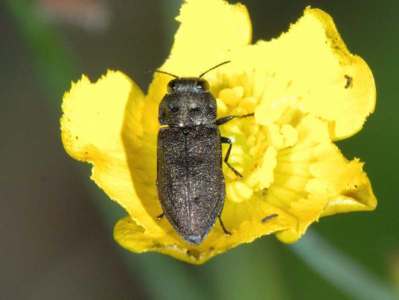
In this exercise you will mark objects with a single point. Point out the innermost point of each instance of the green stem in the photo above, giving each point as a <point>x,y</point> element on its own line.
<point>340,270</point>
<point>247,272</point>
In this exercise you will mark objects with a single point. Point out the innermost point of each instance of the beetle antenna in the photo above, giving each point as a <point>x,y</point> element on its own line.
<point>167,73</point>
<point>214,67</point>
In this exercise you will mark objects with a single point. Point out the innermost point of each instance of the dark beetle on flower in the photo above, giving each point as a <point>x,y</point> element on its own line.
<point>190,180</point>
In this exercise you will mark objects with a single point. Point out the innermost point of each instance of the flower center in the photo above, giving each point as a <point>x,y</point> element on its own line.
<point>250,140</point>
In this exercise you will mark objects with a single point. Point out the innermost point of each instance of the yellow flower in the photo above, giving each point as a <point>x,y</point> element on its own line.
<point>307,91</point>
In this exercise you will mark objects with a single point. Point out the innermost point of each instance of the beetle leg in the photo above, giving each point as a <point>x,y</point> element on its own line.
<point>224,228</point>
<point>159,217</point>
<point>226,119</point>
<point>226,140</point>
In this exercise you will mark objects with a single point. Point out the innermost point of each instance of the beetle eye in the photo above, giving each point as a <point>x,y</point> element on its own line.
<point>171,86</point>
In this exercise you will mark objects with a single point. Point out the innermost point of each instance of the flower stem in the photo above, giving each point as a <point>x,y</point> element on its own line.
<point>340,270</point>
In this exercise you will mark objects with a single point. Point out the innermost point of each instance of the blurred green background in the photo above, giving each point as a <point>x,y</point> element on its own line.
<point>56,226</point>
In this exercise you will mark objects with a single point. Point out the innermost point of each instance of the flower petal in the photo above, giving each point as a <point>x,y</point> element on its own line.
<point>91,125</point>
<point>310,67</point>
<point>313,179</point>
<point>209,29</point>
<point>355,194</point>
<point>132,237</point>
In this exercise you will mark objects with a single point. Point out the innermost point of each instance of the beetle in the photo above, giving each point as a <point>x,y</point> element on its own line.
<point>190,181</point>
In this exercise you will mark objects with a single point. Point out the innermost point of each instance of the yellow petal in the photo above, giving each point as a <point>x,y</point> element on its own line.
<point>92,124</point>
<point>313,179</point>
<point>209,30</point>
<point>132,237</point>
<point>309,67</point>
<point>355,193</point>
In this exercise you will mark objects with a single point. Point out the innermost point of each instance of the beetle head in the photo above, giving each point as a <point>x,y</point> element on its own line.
<point>187,103</point>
